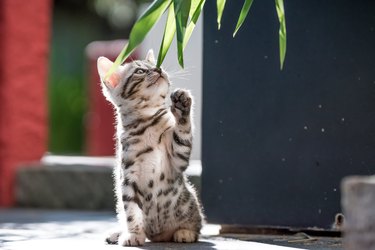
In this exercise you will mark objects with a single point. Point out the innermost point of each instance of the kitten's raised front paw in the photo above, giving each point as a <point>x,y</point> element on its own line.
<point>181,100</point>
<point>185,236</point>
<point>113,238</point>
<point>132,239</point>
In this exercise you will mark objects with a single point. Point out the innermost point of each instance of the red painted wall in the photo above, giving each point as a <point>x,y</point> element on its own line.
<point>24,46</point>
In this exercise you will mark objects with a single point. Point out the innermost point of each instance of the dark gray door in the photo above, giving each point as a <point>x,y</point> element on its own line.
<point>277,143</point>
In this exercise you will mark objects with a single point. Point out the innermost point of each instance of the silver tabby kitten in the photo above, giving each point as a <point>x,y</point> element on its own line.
<point>154,141</point>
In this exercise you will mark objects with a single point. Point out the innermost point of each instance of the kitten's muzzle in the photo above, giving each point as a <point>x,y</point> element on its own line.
<point>158,70</point>
<point>157,73</point>
<point>160,73</point>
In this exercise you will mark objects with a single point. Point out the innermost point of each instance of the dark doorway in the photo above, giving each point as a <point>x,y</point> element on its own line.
<point>276,144</point>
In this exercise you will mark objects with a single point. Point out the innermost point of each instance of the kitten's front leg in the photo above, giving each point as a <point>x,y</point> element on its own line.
<point>182,132</point>
<point>134,236</point>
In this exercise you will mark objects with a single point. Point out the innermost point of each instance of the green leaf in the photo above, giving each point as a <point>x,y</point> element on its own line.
<point>182,10</point>
<point>169,31</point>
<point>282,30</point>
<point>196,10</point>
<point>244,11</point>
<point>220,4</point>
<point>140,30</point>
<point>193,6</point>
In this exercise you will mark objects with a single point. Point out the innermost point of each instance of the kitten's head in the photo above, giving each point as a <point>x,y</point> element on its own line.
<point>135,83</point>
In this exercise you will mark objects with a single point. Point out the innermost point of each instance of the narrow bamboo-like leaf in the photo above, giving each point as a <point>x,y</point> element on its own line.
<point>169,31</point>
<point>193,6</point>
<point>193,21</point>
<point>282,30</point>
<point>244,11</point>
<point>220,4</point>
<point>181,9</point>
<point>140,30</point>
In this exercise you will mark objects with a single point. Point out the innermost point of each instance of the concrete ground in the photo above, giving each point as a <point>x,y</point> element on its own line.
<point>47,229</point>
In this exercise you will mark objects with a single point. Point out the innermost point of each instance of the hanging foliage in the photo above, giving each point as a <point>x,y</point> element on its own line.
<point>182,18</point>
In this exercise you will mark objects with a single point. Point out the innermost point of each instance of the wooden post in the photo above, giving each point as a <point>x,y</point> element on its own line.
<point>24,47</point>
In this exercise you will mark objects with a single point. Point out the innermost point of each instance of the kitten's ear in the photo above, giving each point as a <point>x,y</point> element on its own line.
<point>150,57</point>
<point>104,64</point>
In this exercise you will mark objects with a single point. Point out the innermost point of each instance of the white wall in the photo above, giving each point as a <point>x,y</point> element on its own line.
<point>190,78</point>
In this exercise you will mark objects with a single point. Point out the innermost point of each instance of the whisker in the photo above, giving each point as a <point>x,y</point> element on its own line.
<point>179,74</point>
<point>180,77</point>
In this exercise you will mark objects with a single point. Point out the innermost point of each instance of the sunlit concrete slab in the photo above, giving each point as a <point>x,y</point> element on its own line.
<point>34,229</point>
<point>66,244</point>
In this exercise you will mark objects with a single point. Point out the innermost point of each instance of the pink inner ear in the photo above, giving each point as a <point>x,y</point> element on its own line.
<point>113,80</point>
<point>104,65</point>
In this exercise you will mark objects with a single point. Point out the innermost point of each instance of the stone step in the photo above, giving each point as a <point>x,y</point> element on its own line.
<point>71,182</point>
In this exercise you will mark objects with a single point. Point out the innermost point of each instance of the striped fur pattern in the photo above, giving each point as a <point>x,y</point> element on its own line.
<point>154,141</point>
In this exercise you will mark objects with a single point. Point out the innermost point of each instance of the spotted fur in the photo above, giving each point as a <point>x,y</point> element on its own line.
<point>154,141</point>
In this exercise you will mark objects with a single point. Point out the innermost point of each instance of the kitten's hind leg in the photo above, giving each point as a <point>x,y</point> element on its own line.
<point>185,236</point>
<point>182,132</point>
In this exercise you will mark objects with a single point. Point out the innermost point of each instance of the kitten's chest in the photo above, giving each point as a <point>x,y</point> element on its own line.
<point>146,160</point>
<point>148,132</point>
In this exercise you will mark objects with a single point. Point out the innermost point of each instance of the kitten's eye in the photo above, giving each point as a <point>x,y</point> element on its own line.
<point>140,71</point>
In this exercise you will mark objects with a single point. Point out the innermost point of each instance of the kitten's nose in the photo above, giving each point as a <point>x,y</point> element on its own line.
<point>157,70</point>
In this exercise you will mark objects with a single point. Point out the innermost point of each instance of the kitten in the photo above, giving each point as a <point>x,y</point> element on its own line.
<point>154,198</point>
